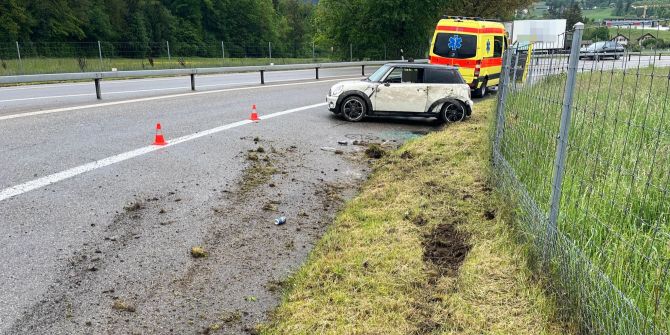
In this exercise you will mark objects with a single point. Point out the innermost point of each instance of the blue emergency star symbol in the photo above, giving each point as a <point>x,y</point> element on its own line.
<point>455,42</point>
<point>488,46</point>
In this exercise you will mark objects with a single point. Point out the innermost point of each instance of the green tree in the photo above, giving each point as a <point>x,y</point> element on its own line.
<point>14,20</point>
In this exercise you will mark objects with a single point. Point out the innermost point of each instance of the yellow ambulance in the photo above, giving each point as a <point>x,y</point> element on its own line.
<point>474,45</point>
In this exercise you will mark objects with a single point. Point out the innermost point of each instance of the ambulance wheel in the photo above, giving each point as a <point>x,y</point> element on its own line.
<point>481,91</point>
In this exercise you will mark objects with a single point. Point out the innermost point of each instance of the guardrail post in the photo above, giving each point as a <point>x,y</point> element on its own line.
<point>659,56</point>
<point>192,81</point>
<point>262,77</point>
<point>563,136</point>
<point>629,55</point>
<point>363,70</point>
<point>317,73</point>
<point>98,93</point>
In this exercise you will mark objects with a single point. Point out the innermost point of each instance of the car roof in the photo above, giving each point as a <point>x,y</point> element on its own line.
<point>423,66</point>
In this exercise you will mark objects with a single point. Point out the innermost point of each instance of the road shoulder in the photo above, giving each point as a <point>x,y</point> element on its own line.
<point>425,248</point>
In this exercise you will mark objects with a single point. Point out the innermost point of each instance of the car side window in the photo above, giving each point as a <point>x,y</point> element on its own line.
<point>395,77</point>
<point>405,75</point>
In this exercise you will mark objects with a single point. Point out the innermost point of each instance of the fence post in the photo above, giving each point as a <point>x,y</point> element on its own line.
<point>351,52</point>
<point>18,52</point>
<point>102,66</point>
<point>516,65</point>
<point>223,53</point>
<point>502,96</point>
<point>563,136</point>
<point>168,50</point>
<point>385,55</point>
<point>270,49</point>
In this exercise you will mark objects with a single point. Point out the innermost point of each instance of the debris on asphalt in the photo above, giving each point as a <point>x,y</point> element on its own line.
<point>198,252</point>
<point>280,221</point>
<point>343,142</point>
<point>339,152</point>
<point>123,306</point>
<point>329,149</point>
<point>260,150</point>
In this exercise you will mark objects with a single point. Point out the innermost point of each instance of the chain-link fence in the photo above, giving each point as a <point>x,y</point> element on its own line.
<point>582,146</point>
<point>40,58</point>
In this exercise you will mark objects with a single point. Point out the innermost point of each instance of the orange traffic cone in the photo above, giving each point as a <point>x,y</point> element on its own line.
<point>160,140</point>
<point>254,114</point>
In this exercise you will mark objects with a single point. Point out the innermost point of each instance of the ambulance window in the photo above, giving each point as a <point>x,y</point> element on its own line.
<point>455,45</point>
<point>497,46</point>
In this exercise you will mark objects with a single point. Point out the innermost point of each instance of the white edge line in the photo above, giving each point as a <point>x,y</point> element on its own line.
<point>60,176</point>
<point>123,102</point>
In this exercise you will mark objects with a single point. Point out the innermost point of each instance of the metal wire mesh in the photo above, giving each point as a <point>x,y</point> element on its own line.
<point>608,253</point>
<point>40,58</point>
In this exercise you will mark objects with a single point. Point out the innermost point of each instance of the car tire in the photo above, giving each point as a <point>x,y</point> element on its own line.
<point>452,111</point>
<point>481,91</point>
<point>353,108</point>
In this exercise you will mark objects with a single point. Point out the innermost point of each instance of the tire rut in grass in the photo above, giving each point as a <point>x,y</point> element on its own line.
<point>445,248</point>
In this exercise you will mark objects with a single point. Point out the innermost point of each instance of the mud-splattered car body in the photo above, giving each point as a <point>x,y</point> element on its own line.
<point>404,89</point>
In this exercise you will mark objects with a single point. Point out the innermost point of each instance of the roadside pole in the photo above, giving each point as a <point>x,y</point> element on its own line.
<point>168,50</point>
<point>351,52</point>
<point>313,52</point>
<point>18,52</point>
<point>100,54</point>
<point>270,50</point>
<point>562,145</point>
<point>223,54</point>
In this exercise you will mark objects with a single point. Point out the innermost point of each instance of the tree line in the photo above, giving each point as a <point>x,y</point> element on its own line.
<point>371,27</point>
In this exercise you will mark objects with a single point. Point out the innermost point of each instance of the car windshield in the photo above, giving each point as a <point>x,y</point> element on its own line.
<point>379,74</point>
<point>455,45</point>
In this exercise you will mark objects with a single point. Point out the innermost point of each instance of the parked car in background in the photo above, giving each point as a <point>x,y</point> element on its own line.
<point>404,89</point>
<point>600,50</point>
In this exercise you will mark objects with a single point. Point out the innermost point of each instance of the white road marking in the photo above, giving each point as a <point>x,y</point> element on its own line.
<point>60,176</point>
<point>123,102</point>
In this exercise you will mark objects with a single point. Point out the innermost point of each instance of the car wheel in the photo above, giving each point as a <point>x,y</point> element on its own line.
<point>481,91</point>
<point>452,112</point>
<point>353,108</point>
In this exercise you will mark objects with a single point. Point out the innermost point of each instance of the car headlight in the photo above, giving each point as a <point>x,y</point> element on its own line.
<point>336,90</point>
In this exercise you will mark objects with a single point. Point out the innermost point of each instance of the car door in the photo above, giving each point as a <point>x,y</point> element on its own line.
<point>402,90</point>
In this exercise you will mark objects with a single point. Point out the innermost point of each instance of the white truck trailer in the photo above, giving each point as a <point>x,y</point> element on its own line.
<point>545,34</point>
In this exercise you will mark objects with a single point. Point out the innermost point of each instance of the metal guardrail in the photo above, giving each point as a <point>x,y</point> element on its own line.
<point>98,76</point>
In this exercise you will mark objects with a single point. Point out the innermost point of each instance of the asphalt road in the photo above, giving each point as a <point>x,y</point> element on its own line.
<point>97,224</point>
<point>19,98</point>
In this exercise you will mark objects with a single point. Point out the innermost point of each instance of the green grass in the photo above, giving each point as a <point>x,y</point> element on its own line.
<point>599,14</point>
<point>65,65</point>
<point>615,204</point>
<point>373,271</point>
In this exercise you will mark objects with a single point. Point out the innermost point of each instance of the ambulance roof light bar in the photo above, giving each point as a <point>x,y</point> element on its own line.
<point>473,18</point>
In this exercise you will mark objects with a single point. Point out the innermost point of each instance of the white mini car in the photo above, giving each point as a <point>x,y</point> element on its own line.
<point>404,89</point>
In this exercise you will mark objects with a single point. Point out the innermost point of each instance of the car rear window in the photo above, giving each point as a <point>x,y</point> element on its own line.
<point>454,45</point>
<point>443,76</point>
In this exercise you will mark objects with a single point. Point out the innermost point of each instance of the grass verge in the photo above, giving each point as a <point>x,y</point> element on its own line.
<point>425,248</point>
